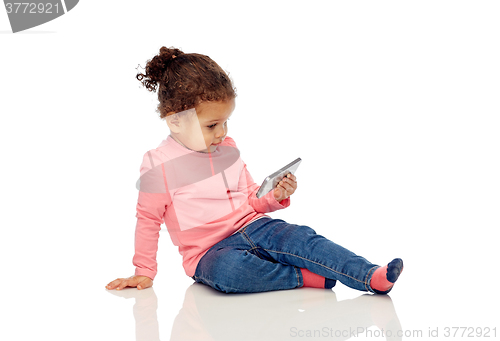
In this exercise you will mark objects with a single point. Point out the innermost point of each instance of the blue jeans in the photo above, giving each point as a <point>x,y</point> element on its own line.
<point>267,254</point>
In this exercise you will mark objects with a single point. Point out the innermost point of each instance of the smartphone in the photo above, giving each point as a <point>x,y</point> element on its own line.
<point>272,180</point>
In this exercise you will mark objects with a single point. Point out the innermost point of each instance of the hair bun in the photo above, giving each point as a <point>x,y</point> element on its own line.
<point>155,68</point>
<point>167,54</point>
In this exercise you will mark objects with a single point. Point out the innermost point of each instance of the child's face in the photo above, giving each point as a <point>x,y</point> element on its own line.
<point>202,129</point>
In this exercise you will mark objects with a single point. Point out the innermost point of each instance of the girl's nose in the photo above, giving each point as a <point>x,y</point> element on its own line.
<point>221,132</point>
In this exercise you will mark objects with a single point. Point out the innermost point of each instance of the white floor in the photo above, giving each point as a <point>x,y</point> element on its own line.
<point>306,313</point>
<point>62,297</point>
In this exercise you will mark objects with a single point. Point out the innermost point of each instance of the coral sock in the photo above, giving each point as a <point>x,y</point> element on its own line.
<point>316,281</point>
<point>311,279</point>
<point>384,277</point>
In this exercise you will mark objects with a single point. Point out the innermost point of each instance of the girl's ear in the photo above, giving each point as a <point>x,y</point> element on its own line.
<point>173,123</point>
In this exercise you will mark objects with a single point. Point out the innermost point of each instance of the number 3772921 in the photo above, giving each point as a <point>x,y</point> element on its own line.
<point>33,8</point>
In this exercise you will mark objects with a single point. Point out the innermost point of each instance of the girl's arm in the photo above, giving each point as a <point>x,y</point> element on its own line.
<point>151,205</point>
<point>152,202</point>
<point>150,210</point>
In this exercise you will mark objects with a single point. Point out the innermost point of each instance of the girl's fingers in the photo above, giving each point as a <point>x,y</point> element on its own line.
<point>114,284</point>
<point>127,282</point>
<point>284,188</point>
<point>122,285</point>
<point>290,180</point>
<point>133,281</point>
<point>283,194</point>
<point>288,185</point>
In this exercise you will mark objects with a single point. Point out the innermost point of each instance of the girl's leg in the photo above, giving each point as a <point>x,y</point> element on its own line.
<point>300,246</point>
<point>233,266</point>
<point>232,271</point>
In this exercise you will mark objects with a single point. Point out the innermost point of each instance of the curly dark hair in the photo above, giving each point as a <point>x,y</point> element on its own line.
<point>185,80</point>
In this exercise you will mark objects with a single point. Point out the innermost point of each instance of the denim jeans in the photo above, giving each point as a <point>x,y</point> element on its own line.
<point>267,254</point>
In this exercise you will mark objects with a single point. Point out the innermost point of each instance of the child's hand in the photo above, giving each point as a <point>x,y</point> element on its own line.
<point>141,282</point>
<point>285,187</point>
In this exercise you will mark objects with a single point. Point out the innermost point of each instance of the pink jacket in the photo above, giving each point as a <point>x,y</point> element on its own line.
<point>201,197</point>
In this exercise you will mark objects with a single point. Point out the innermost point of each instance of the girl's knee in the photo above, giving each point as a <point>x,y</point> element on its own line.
<point>303,232</point>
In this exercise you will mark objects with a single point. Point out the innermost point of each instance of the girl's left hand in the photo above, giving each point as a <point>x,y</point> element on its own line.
<point>285,187</point>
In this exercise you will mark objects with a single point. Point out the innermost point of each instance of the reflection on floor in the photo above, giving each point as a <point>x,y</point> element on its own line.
<point>304,313</point>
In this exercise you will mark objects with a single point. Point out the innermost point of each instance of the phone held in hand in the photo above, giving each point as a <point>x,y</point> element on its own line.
<point>272,180</point>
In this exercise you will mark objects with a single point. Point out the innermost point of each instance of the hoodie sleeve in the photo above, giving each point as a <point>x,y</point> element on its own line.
<point>151,205</point>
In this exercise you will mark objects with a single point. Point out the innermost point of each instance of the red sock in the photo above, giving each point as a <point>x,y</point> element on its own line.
<point>312,280</point>
<point>384,277</point>
<point>379,281</point>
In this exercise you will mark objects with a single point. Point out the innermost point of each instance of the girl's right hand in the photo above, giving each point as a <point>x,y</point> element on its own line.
<point>141,282</point>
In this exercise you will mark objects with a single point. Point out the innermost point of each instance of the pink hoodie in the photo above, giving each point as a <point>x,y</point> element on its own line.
<point>201,197</point>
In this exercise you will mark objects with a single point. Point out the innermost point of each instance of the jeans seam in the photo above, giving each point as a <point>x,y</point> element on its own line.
<point>367,286</point>
<point>253,246</point>
<point>340,273</point>
<point>297,274</point>
<point>248,240</point>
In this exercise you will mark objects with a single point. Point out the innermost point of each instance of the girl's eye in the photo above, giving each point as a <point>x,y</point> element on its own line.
<point>213,125</point>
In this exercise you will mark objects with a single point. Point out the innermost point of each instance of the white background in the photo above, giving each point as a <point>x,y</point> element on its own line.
<point>392,105</point>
